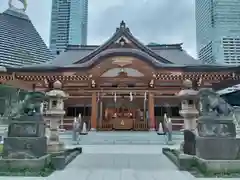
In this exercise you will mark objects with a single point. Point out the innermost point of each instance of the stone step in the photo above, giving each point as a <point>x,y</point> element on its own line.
<point>122,138</point>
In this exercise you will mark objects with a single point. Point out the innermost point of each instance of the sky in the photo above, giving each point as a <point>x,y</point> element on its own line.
<point>159,21</point>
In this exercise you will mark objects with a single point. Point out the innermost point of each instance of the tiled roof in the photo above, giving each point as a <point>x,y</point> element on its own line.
<point>160,56</point>
<point>174,54</point>
<point>20,43</point>
<point>164,54</point>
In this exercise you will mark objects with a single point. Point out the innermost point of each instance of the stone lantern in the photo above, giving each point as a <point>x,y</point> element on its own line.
<point>55,114</point>
<point>188,110</point>
<point>190,113</point>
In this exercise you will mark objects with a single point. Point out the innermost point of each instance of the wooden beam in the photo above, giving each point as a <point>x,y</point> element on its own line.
<point>157,91</point>
<point>82,97</point>
<point>20,84</point>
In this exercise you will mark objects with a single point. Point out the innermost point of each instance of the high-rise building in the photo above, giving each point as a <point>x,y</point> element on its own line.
<point>20,43</point>
<point>218,31</point>
<point>69,22</point>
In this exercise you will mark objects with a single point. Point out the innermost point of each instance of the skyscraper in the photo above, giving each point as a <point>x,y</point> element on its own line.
<point>218,31</point>
<point>69,22</point>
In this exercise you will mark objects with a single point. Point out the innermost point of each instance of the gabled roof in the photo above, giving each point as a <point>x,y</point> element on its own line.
<point>164,54</point>
<point>20,43</point>
<point>173,52</point>
<point>123,32</point>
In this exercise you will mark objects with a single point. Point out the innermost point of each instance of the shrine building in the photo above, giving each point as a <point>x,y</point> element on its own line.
<point>121,84</point>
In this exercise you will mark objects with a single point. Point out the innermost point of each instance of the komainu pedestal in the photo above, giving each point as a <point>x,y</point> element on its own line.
<point>26,132</point>
<point>216,138</point>
<point>25,140</point>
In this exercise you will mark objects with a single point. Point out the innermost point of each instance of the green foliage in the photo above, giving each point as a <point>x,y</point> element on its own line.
<point>10,97</point>
<point>48,170</point>
<point>1,148</point>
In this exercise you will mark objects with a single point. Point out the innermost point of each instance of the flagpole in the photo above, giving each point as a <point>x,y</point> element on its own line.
<point>115,100</point>
<point>98,109</point>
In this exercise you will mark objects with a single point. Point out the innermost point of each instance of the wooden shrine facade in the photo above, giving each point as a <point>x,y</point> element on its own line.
<point>121,84</point>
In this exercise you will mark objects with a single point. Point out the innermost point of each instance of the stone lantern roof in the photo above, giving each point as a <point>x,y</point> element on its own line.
<point>57,92</point>
<point>187,92</point>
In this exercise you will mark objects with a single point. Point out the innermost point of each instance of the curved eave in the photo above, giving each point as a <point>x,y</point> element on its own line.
<point>186,68</point>
<point>210,68</point>
<point>33,69</point>
<point>120,52</point>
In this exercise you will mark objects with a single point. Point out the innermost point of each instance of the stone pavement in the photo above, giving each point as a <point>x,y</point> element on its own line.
<point>123,156</point>
<point>121,162</point>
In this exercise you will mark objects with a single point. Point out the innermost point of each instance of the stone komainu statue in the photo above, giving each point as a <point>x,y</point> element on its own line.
<point>30,106</point>
<point>212,103</point>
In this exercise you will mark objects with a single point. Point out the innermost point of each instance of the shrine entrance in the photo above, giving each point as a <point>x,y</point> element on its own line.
<point>125,115</point>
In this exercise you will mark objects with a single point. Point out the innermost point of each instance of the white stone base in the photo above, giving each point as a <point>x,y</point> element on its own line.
<point>83,133</point>
<point>93,129</point>
<point>3,130</point>
<point>60,130</point>
<point>55,147</point>
<point>238,131</point>
<point>152,129</point>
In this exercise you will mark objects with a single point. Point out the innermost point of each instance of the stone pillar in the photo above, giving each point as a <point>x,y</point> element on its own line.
<point>54,125</point>
<point>237,120</point>
<point>101,113</point>
<point>151,111</point>
<point>94,112</point>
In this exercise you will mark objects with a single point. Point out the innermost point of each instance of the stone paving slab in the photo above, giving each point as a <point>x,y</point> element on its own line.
<point>217,178</point>
<point>124,174</point>
<point>122,161</point>
<point>22,178</point>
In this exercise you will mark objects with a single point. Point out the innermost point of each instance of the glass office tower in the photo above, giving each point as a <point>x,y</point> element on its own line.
<point>218,31</point>
<point>69,21</point>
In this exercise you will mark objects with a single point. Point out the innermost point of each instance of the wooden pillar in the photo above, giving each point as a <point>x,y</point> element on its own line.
<point>151,111</point>
<point>101,114</point>
<point>94,112</point>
